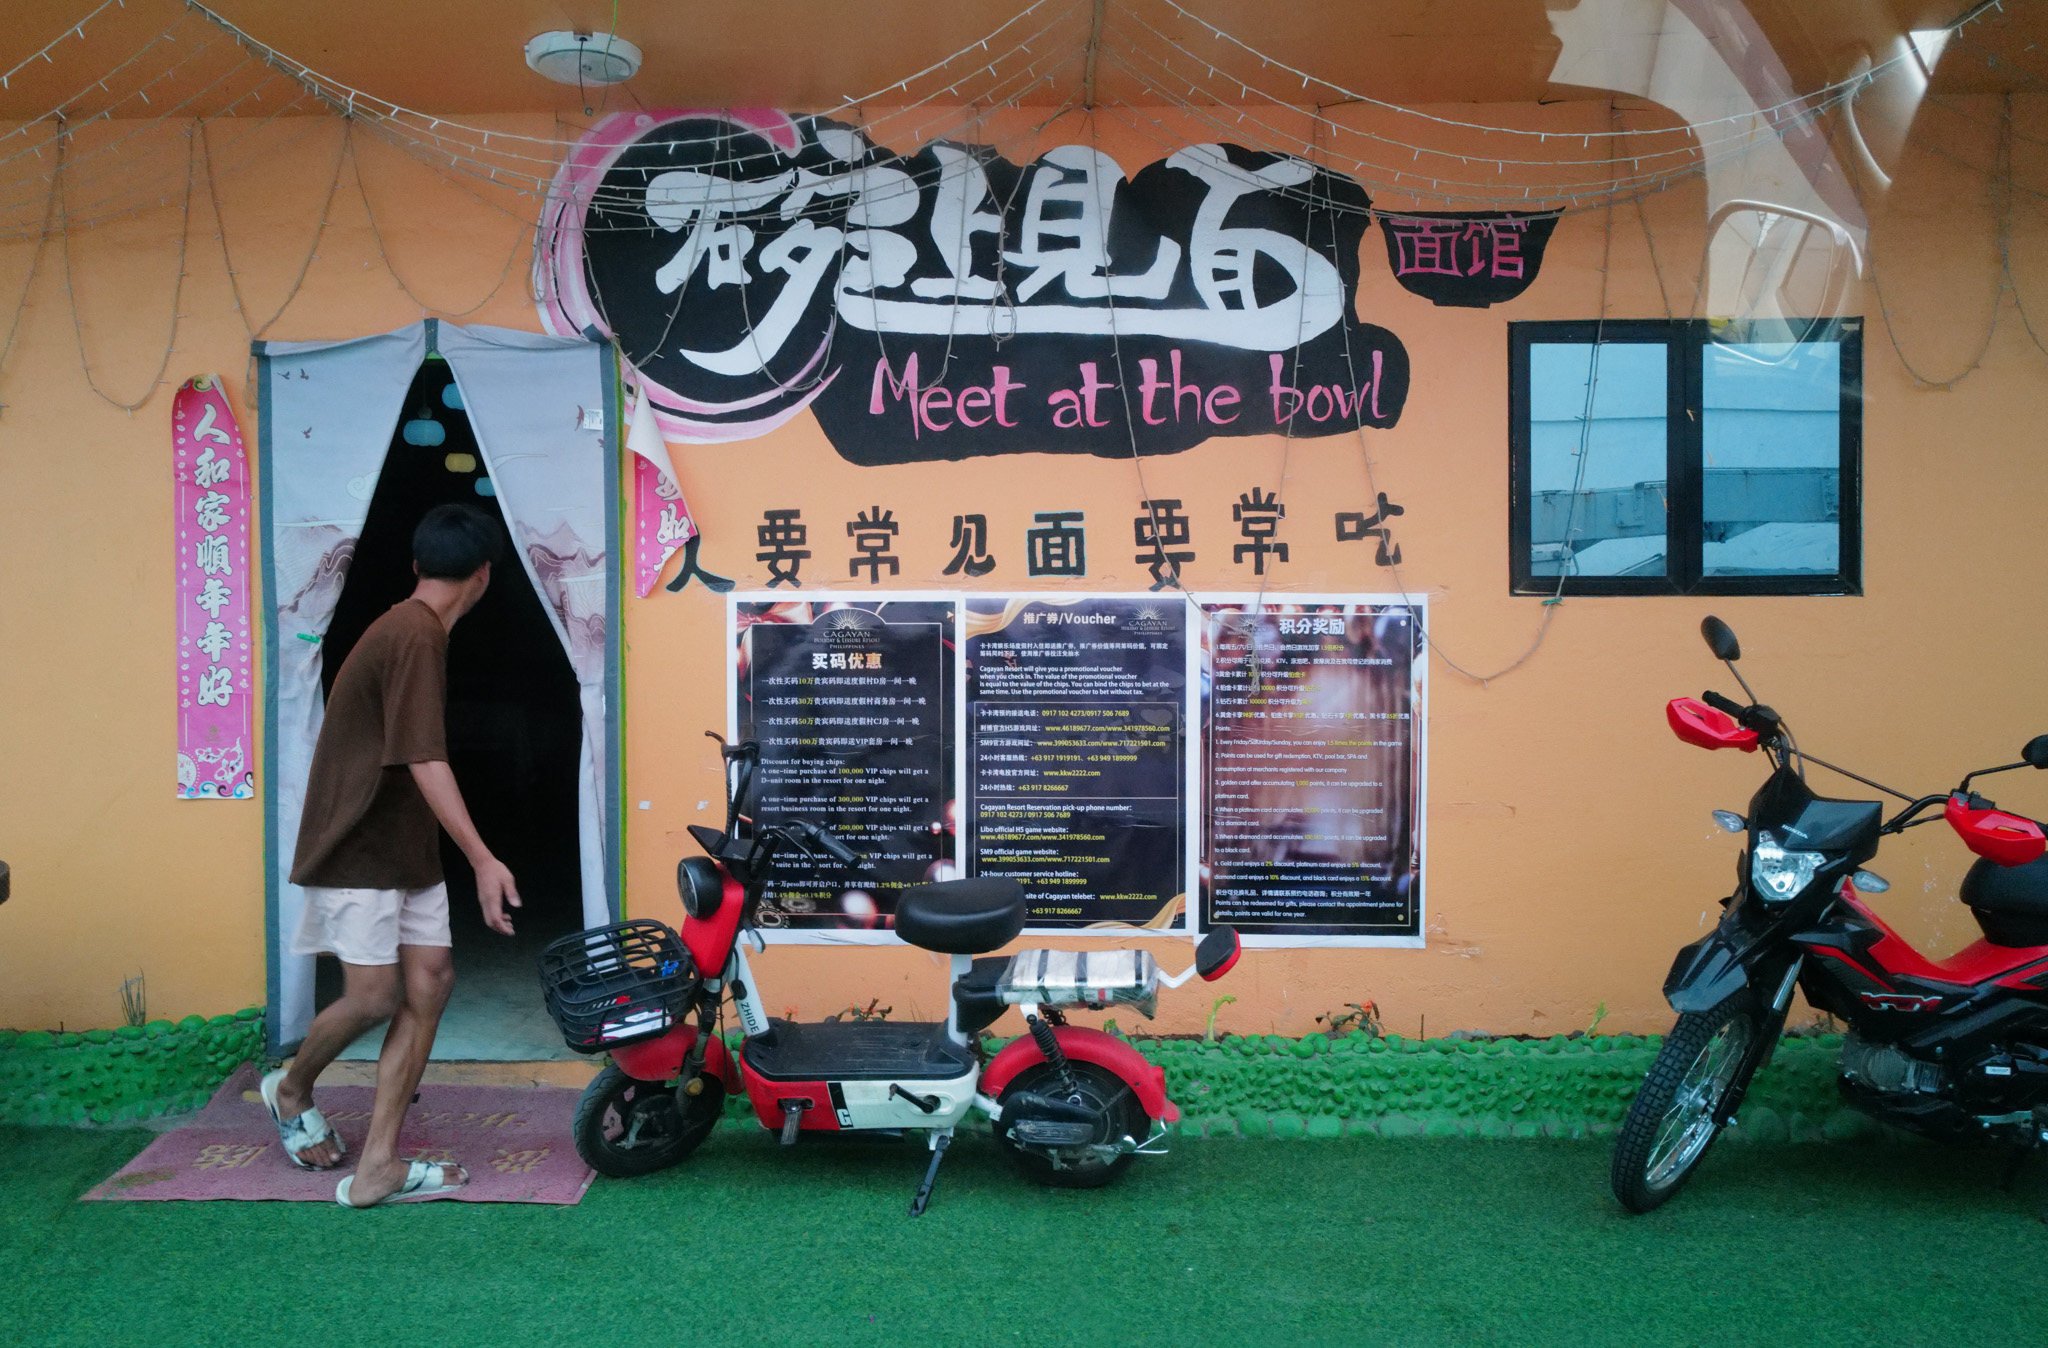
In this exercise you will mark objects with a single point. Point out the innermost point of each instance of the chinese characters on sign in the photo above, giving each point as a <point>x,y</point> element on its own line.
<point>852,705</point>
<point>1077,755</point>
<point>1467,259</point>
<point>211,536</point>
<point>664,524</point>
<point>1056,543</point>
<point>1312,769</point>
<point>1112,748</point>
<point>1054,306</point>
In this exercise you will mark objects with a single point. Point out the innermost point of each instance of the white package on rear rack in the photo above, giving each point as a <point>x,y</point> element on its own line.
<point>1091,978</point>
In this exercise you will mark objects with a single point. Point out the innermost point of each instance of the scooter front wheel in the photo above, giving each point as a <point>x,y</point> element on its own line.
<point>1085,1165</point>
<point>1677,1114</point>
<point>626,1127</point>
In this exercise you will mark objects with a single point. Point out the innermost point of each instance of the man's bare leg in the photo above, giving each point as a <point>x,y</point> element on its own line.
<point>370,994</point>
<point>428,974</point>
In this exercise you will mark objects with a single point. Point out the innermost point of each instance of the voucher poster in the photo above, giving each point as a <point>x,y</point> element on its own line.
<point>853,702</point>
<point>1313,769</point>
<point>1077,755</point>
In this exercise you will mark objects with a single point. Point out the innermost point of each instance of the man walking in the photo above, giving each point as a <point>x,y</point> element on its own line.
<point>369,860</point>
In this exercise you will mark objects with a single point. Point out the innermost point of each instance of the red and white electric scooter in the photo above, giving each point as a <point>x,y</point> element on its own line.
<point>1071,1105</point>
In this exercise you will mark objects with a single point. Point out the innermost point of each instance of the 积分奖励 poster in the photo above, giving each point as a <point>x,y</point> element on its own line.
<point>1313,767</point>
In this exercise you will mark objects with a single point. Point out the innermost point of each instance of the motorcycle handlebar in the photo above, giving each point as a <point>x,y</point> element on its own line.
<point>1727,704</point>
<point>1755,716</point>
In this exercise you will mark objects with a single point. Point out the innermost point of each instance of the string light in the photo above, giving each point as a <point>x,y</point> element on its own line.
<point>349,97</point>
<point>514,173</point>
<point>1442,187</point>
<point>24,127</point>
<point>28,281</point>
<point>142,130</point>
<point>220,225</point>
<point>2004,279</point>
<point>1691,148</point>
<point>177,289</point>
<point>519,240</point>
<point>1350,96</point>
<point>77,30</point>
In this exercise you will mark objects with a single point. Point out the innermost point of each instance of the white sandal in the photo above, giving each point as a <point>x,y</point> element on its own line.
<point>423,1179</point>
<point>300,1134</point>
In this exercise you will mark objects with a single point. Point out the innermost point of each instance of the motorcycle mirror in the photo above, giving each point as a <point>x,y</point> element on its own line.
<point>1720,639</point>
<point>2036,752</point>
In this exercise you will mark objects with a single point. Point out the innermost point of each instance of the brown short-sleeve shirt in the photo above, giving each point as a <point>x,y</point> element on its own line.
<point>365,824</point>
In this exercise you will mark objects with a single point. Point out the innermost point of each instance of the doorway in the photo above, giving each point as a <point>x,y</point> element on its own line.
<point>514,724</point>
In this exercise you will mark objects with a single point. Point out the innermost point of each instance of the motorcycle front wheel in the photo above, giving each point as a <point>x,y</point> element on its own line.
<point>626,1127</point>
<point>1677,1113</point>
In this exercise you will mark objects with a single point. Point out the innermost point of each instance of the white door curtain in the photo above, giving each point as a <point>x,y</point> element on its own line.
<point>544,410</point>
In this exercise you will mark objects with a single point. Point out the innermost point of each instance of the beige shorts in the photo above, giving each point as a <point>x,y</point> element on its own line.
<point>366,926</point>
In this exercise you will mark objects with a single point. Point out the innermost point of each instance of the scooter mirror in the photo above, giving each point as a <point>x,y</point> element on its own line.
<point>1720,638</point>
<point>2036,752</point>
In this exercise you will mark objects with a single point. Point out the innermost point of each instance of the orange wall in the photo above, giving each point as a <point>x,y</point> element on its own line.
<point>1569,848</point>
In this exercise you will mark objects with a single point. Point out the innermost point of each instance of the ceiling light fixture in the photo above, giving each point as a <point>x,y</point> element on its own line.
<point>583,58</point>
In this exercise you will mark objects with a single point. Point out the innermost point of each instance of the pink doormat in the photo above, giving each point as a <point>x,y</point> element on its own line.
<point>514,1140</point>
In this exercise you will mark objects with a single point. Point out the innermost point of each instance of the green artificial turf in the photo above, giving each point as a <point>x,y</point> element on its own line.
<point>1223,1242</point>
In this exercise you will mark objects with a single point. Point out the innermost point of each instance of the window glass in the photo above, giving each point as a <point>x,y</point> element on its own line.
<point>1771,435</point>
<point>1598,488</point>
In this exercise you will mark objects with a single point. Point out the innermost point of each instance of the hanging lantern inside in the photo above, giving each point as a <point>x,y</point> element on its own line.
<point>583,58</point>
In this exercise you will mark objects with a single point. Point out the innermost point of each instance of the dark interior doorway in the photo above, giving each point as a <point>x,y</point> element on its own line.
<point>514,732</point>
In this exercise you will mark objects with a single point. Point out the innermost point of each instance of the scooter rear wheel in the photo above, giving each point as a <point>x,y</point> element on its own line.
<point>626,1127</point>
<point>1077,1167</point>
<point>1677,1113</point>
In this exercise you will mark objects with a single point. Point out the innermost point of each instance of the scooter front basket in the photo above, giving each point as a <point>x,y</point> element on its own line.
<point>1094,979</point>
<point>617,984</point>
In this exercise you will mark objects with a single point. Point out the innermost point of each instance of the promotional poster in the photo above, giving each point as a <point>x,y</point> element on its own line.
<point>1109,747</point>
<point>1312,769</point>
<point>852,702</point>
<point>1077,751</point>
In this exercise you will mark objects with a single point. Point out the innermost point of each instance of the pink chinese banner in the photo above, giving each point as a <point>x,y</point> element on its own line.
<point>661,522</point>
<point>211,534</point>
<point>661,517</point>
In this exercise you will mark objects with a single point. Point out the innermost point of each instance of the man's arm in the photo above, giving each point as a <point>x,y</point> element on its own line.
<point>495,892</point>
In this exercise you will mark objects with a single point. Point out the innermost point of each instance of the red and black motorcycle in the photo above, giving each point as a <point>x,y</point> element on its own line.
<point>1955,1049</point>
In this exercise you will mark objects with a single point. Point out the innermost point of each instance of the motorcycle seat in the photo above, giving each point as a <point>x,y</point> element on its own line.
<point>2010,902</point>
<point>961,917</point>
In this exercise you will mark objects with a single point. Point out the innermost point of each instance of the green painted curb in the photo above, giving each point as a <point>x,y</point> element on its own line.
<point>1360,1086</point>
<point>124,1075</point>
<point>1315,1087</point>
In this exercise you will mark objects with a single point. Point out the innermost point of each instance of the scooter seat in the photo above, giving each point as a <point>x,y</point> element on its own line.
<point>2010,902</point>
<point>961,917</point>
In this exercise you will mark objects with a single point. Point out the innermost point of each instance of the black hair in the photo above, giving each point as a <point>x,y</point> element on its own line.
<point>453,541</point>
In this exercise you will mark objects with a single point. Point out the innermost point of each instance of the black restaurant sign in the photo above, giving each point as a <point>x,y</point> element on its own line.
<point>949,303</point>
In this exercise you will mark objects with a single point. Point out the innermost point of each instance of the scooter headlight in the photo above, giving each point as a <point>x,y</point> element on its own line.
<point>1777,873</point>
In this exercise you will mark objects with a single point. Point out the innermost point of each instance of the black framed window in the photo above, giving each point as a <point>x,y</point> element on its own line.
<point>1685,457</point>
